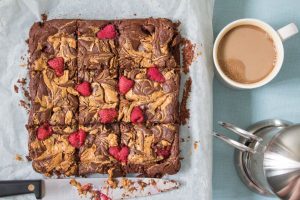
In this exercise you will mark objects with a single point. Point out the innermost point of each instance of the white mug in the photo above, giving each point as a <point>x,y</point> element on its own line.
<point>278,37</point>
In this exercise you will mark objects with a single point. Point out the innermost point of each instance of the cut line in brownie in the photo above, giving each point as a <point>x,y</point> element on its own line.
<point>154,149</point>
<point>53,155</point>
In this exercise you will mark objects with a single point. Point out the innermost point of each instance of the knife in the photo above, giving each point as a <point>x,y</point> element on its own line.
<point>51,189</point>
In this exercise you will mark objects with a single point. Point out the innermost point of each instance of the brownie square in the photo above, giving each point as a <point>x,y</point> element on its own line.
<point>154,149</point>
<point>53,99</point>
<point>54,38</point>
<point>95,53</point>
<point>53,155</point>
<point>104,94</point>
<point>159,101</point>
<point>145,42</point>
<point>94,155</point>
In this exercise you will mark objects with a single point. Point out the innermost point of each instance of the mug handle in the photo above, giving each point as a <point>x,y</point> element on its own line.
<point>287,31</point>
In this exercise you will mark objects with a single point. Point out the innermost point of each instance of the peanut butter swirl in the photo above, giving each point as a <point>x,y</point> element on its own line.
<point>54,154</point>
<point>145,141</point>
<point>158,100</point>
<point>75,72</point>
<point>94,155</point>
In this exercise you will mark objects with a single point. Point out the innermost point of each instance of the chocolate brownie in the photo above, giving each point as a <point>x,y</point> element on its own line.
<point>104,94</point>
<point>108,88</point>
<point>94,156</point>
<point>50,39</point>
<point>154,149</point>
<point>93,52</point>
<point>147,42</point>
<point>52,153</point>
<point>53,72</point>
<point>53,99</point>
<point>158,100</point>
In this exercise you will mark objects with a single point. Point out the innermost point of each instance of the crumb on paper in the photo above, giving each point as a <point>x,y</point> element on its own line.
<point>28,158</point>
<point>22,81</point>
<point>113,183</point>
<point>126,183</point>
<point>188,52</point>
<point>23,65</point>
<point>44,17</point>
<point>181,158</point>
<point>84,190</point>
<point>195,145</point>
<point>16,88</point>
<point>25,105</point>
<point>142,184</point>
<point>18,157</point>
<point>184,111</point>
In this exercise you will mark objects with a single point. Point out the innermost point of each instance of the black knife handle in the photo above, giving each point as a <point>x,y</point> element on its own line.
<point>11,188</point>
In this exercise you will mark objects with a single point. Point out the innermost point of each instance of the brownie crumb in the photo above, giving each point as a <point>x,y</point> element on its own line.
<point>25,105</point>
<point>88,188</point>
<point>195,145</point>
<point>44,17</point>
<point>18,157</point>
<point>16,88</point>
<point>184,111</point>
<point>187,54</point>
<point>113,183</point>
<point>28,158</point>
<point>22,81</point>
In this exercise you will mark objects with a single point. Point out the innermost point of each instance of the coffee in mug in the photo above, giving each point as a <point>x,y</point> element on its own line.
<point>247,54</point>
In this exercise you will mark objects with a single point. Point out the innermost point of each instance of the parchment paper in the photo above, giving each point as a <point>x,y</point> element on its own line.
<point>17,16</point>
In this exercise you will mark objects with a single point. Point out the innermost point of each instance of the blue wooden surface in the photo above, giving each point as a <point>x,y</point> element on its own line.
<point>278,99</point>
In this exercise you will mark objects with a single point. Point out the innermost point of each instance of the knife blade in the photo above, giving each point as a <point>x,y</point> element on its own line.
<point>52,189</point>
<point>61,188</point>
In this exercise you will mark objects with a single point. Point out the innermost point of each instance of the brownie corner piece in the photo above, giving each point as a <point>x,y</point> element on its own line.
<point>154,150</point>
<point>148,42</point>
<point>53,155</point>
<point>94,155</point>
<point>53,39</point>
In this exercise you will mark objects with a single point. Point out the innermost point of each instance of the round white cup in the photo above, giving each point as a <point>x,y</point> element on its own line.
<point>278,37</point>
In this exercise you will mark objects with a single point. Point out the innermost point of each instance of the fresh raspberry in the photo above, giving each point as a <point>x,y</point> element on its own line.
<point>119,153</point>
<point>107,115</point>
<point>164,152</point>
<point>84,89</point>
<point>125,84</point>
<point>44,131</point>
<point>77,138</point>
<point>108,32</point>
<point>101,196</point>
<point>137,115</point>
<point>154,74</point>
<point>57,64</point>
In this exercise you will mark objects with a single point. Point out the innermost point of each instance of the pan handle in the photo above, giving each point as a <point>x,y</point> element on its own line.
<point>17,187</point>
<point>234,143</point>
